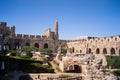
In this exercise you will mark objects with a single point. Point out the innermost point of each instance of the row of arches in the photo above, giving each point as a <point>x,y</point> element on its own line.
<point>112,51</point>
<point>98,51</point>
<point>37,45</point>
<point>18,46</point>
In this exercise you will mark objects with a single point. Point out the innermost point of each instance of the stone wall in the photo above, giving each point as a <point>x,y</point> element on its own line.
<point>105,45</point>
<point>9,39</point>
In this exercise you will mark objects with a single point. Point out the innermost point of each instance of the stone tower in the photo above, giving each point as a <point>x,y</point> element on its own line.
<point>56,30</point>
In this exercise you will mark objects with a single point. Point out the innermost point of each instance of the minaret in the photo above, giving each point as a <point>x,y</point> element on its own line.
<point>56,30</point>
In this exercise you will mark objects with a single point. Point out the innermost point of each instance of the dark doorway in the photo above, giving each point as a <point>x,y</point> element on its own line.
<point>36,45</point>
<point>112,51</point>
<point>97,51</point>
<point>89,51</point>
<point>45,45</point>
<point>27,44</point>
<point>76,69</point>
<point>73,49</point>
<point>104,51</point>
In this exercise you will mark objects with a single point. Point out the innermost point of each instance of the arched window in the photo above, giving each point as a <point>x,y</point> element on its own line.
<point>27,44</point>
<point>36,45</point>
<point>73,49</point>
<point>97,51</point>
<point>104,51</point>
<point>45,45</point>
<point>112,51</point>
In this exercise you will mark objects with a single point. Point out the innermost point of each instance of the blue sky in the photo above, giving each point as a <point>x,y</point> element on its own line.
<point>76,18</point>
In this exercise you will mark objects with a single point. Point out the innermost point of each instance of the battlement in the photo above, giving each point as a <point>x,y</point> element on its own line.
<point>105,39</point>
<point>30,36</point>
<point>97,39</point>
<point>3,23</point>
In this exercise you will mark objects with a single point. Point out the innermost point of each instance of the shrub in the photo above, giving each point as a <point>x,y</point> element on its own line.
<point>36,68</point>
<point>113,61</point>
<point>116,72</point>
<point>13,52</point>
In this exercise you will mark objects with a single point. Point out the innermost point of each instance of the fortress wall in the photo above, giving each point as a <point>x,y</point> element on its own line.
<point>30,36</point>
<point>97,43</point>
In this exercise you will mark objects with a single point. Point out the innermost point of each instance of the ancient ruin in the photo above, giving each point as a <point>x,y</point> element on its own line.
<point>85,56</point>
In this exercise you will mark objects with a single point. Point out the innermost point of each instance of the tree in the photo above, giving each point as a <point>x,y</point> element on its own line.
<point>29,48</point>
<point>26,51</point>
<point>46,51</point>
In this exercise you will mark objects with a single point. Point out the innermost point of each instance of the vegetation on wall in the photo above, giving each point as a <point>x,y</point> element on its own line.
<point>63,51</point>
<point>113,61</point>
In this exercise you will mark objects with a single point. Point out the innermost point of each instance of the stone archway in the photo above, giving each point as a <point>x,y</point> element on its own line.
<point>36,45</point>
<point>74,69</point>
<point>77,69</point>
<point>112,51</point>
<point>89,50</point>
<point>97,51</point>
<point>104,51</point>
<point>46,45</point>
<point>27,44</point>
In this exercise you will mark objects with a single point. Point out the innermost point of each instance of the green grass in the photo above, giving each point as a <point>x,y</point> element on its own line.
<point>25,64</point>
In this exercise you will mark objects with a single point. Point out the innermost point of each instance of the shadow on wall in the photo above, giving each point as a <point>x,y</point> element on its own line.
<point>17,76</point>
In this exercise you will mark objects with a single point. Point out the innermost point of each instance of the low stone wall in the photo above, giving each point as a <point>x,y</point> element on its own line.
<point>44,76</point>
<point>48,76</point>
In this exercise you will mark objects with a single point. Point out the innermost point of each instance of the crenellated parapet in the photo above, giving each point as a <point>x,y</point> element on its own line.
<point>25,36</point>
<point>104,39</point>
<point>96,39</point>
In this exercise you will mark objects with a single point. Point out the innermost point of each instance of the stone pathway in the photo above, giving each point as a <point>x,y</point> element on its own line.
<point>54,67</point>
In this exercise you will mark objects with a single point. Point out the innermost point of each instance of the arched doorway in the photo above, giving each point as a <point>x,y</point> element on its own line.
<point>77,69</point>
<point>89,50</point>
<point>45,45</point>
<point>104,51</point>
<point>97,51</point>
<point>74,69</point>
<point>27,44</point>
<point>112,51</point>
<point>36,45</point>
<point>73,49</point>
